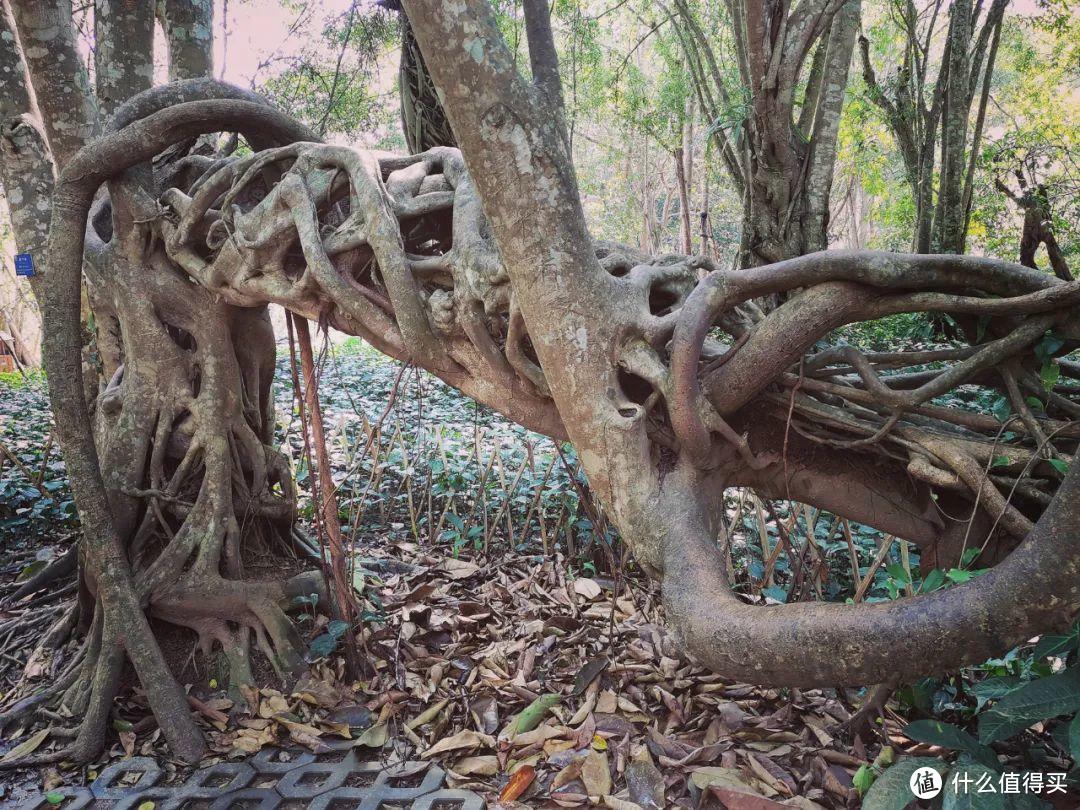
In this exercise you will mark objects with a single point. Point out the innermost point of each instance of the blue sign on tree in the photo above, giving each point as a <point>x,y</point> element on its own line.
<point>24,264</point>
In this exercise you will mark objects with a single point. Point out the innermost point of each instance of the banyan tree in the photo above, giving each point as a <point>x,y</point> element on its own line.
<point>669,374</point>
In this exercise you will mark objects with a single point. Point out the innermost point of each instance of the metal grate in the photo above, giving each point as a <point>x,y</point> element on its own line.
<point>334,781</point>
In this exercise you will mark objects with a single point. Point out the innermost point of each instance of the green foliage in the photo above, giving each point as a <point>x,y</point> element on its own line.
<point>25,426</point>
<point>1037,684</point>
<point>330,83</point>
<point>891,790</point>
<point>1025,705</point>
<point>947,735</point>
<point>323,645</point>
<point>33,378</point>
<point>439,468</point>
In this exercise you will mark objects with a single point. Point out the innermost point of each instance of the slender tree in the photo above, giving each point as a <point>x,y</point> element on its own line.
<point>778,148</point>
<point>930,118</point>
<point>27,177</point>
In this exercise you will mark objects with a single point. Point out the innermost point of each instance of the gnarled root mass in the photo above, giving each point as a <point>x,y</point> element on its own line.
<point>670,381</point>
<point>189,480</point>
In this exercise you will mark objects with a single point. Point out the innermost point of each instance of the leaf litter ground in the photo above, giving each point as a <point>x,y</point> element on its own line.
<point>504,639</point>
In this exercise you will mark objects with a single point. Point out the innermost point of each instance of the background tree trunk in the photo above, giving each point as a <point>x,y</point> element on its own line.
<point>124,38</point>
<point>781,158</point>
<point>932,137</point>
<point>27,177</point>
<point>189,32</point>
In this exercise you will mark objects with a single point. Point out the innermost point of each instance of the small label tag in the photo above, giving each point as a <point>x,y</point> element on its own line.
<point>24,264</point>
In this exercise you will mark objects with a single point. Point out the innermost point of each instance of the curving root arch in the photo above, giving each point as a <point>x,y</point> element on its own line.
<point>476,265</point>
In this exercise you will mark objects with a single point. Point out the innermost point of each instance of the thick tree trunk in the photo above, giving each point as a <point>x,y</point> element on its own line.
<point>177,460</point>
<point>607,326</point>
<point>789,166</point>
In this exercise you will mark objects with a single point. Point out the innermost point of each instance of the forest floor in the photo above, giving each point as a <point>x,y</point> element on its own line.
<point>506,636</point>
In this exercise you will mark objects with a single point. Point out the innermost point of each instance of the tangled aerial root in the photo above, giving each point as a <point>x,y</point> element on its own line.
<point>675,387</point>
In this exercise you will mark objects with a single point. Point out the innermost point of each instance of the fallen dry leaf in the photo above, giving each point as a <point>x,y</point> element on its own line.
<point>458,569</point>
<point>487,765</point>
<point>735,799</point>
<point>645,782</point>
<point>595,774</point>
<point>518,784</point>
<point>455,742</point>
<point>708,776</point>
<point>27,746</point>
<point>583,586</point>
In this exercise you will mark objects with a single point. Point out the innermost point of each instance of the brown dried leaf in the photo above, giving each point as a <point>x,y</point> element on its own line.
<point>583,586</point>
<point>463,739</point>
<point>487,765</point>
<point>595,774</point>
<point>644,781</point>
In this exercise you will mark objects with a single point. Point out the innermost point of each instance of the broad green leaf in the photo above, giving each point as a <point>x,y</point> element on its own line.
<point>863,779</point>
<point>1074,738</point>
<point>530,716</point>
<point>1058,645</point>
<point>961,794</point>
<point>959,575</point>
<point>947,735</point>
<point>1050,374</point>
<point>1039,700</point>
<point>776,592</point>
<point>321,646</point>
<point>993,689</point>
<point>969,556</point>
<point>1046,347</point>
<point>1059,464</point>
<point>932,581</point>
<point>897,572</point>
<point>1002,410</point>
<point>892,790</point>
